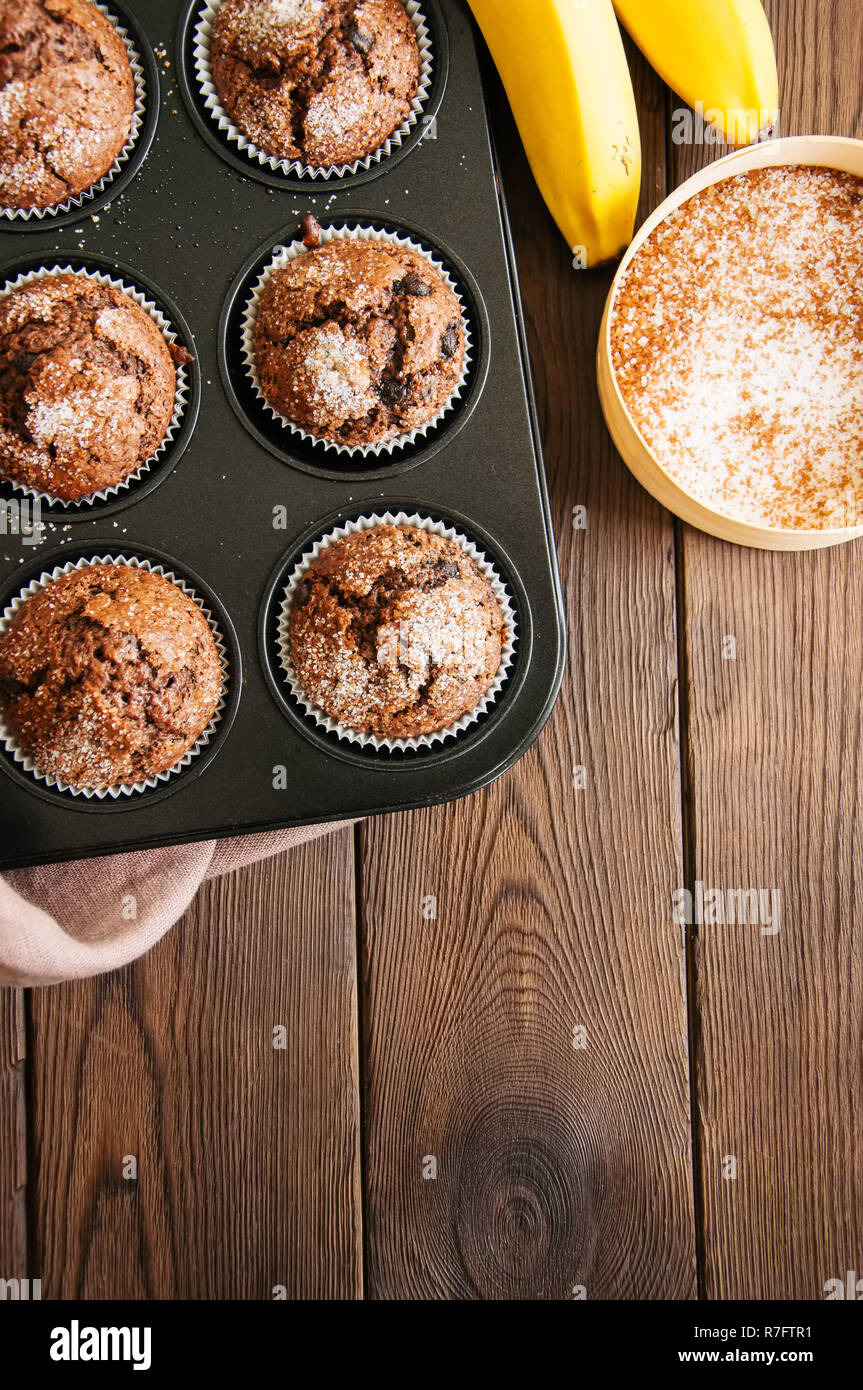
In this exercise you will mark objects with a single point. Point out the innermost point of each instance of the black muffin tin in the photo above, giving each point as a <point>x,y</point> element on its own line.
<point>191,221</point>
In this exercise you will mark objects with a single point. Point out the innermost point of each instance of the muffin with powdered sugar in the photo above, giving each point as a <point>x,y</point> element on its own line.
<point>67,98</point>
<point>396,632</point>
<point>87,385</point>
<point>324,82</point>
<point>359,342</point>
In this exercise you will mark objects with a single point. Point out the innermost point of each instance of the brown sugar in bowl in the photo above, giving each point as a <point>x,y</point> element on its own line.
<point>655,474</point>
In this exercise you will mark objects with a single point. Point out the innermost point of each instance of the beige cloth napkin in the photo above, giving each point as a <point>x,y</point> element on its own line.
<point>66,921</point>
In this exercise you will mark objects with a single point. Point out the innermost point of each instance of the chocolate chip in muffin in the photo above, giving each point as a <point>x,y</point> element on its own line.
<point>413,285</point>
<point>67,96</point>
<point>325,82</point>
<point>446,569</point>
<point>310,230</point>
<point>363,43</point>
<point>450,341</point>
<point>345,352</point>
<point>393,392</point>
<point>180,355</point>
<point>302,593</point>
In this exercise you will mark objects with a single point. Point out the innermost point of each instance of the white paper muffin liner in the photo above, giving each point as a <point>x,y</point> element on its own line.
<point>26,762</point>
<point>281,256</point>
<point>138,113</point>
<point>181,391</point>
<point>437,528</point>
<point>294,168</point>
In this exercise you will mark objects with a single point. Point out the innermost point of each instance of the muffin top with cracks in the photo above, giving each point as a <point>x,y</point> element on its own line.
<point>67,97</point>
<point>395,631</point>
<point>87,385</point>
<point>359,342</point>
<point>108,675</point>
<point>325,82</point>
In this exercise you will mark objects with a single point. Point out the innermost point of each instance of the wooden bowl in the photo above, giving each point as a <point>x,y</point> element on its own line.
<point>814,150</point>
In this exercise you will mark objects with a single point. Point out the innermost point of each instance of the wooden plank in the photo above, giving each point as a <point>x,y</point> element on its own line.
<point>557,1168</point>
<point>248,1156</point>
<point>13,1139</point>
<point>777,796</point>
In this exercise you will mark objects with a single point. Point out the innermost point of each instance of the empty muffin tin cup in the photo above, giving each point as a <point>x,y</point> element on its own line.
<point>295,168</point>
<point>135,127</point>
<point>282,256</point>
<point>815,151</point>
<point>331,726</point>
<point>123,789</point>
<point>181,389</point>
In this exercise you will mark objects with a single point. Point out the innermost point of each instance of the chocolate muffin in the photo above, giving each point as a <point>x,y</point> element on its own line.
<point>359,341</point>
<point>67,96</point>
<point>87,386</point>
<point>396,632</point>
<point>321,81</point>
<point>109,674</point>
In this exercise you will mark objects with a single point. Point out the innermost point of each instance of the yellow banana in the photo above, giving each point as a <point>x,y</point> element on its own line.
<point>565,73</point>
<point>716,54</point>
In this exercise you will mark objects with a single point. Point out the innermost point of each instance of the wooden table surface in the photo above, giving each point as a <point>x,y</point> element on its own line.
<point>708,1138</point>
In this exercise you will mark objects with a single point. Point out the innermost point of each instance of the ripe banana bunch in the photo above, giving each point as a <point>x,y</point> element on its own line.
<point>565,72</point>
<point>716,54</point>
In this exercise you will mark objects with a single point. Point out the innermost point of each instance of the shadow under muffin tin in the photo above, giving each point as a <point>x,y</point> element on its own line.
<point>236,497</point>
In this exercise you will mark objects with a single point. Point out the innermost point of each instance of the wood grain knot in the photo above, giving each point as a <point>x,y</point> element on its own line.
<point>522,1186</point>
